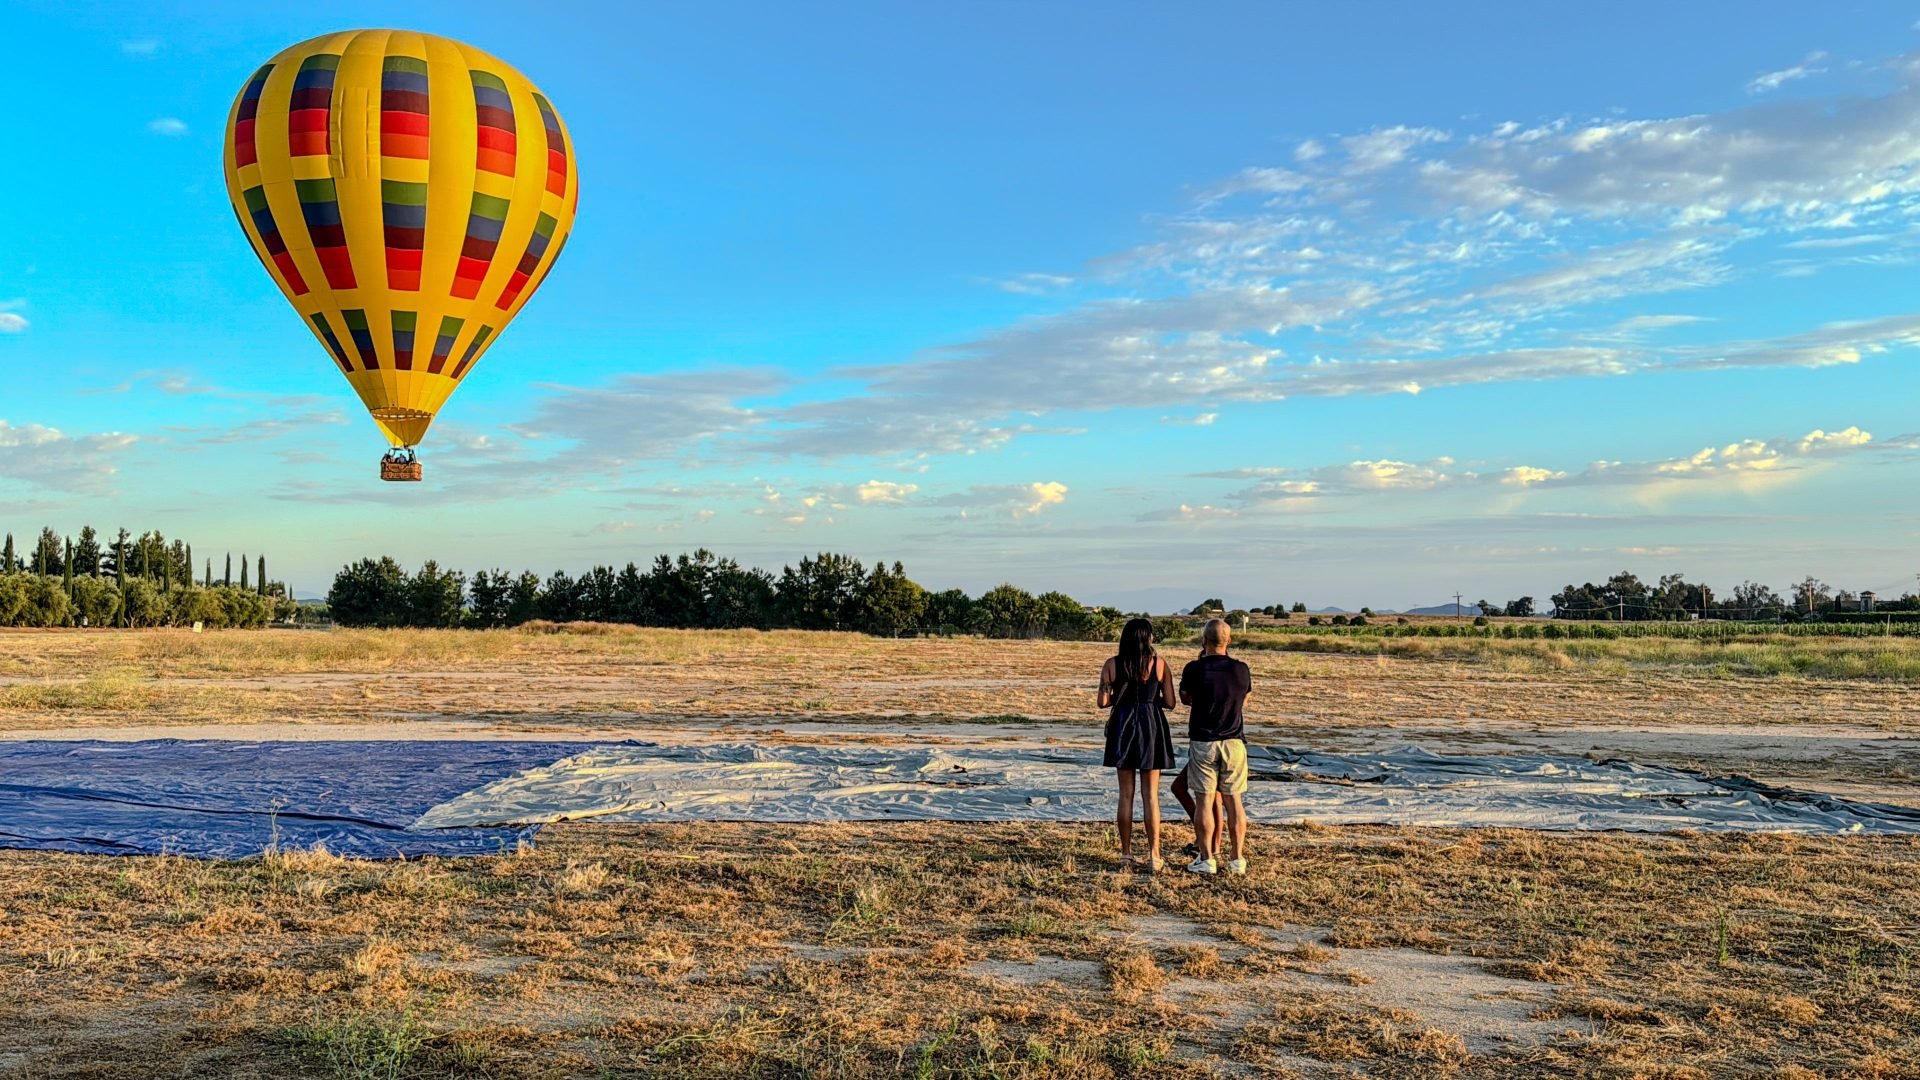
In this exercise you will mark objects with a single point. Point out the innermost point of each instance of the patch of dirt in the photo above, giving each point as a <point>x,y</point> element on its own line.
<point>1040,970</point>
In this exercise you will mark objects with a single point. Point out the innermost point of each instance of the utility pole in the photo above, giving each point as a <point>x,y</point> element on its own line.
<point>1456,606</point>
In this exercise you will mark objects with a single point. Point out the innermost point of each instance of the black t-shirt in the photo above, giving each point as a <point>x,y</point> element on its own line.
<point>1218,687</point>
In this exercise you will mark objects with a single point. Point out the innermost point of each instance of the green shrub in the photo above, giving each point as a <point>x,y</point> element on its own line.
<point>95,601</point>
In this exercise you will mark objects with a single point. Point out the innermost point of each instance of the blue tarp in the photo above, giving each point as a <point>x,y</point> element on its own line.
<point>216,799</point>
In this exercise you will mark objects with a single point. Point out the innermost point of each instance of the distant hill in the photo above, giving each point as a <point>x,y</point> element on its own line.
<point>1465,610</point>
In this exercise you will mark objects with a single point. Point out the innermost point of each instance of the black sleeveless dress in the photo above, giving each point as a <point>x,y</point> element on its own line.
<point>1137,734</point>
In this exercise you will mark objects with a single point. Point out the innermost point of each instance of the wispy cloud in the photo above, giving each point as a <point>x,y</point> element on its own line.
<point>141,46</point>
<point>1035,284</point>
<point>170,126</point>
<point>1774,80</point>
<point>11,321</point>
<point>1748,463</point>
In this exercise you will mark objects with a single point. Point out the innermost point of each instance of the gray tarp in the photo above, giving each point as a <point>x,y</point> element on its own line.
<point>1408,786</point>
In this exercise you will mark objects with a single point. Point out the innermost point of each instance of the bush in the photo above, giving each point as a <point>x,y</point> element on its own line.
<point>144,604</point>
<point>13,598</point>
<point>1172,628</point>
<point>46,603</point>
<point>1357,620</point>
<point>1479,620</point>
<point>1339,620</point>
<point>1313,620</point>
<point>199,606</point>
<point>95,601</point>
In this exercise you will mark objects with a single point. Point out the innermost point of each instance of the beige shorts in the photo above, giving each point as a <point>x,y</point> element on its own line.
<point>1217,766</point>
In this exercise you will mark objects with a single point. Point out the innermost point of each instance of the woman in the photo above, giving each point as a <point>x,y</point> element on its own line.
<point>1138,688</point>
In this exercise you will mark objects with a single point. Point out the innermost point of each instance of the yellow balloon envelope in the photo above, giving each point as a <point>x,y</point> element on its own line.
<point>408,194</point>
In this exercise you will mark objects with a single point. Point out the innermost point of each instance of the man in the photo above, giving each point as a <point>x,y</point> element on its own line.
<point>1216,688</point>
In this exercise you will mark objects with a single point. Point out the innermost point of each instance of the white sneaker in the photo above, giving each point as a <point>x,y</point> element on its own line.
<point>1237,867</point>
<point>1202,866</point>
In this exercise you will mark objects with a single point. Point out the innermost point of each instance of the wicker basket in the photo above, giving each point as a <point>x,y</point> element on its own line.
<point>400,470</point>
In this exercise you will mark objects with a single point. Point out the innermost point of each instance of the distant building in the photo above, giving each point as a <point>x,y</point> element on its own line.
<point>1866,601</point>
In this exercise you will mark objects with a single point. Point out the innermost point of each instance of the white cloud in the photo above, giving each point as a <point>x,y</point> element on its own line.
<point>884,492</point>
<point>1850,438</point>
<point>1043,495</point>
<point>1186,512</point>
<point>171,126</point>
<point>141,47</point>
<point>48,458</point>
<point>1386,147</point>
<point>1528,475</point>
<point>1016,500</point>
<point>12,322</point>
<point>1204,419</point>
<point>1773,80</point>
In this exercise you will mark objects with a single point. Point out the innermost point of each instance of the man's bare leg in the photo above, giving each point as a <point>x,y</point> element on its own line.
<point>1204,827</point>
<point>1237,826</point>
<point>1219,823</point>
<point>1123,820</point>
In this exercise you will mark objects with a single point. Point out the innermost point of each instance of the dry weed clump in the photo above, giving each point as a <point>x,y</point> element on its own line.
<point>1133,974</point>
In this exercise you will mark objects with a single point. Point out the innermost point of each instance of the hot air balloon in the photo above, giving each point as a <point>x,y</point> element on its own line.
<point>408,194</point>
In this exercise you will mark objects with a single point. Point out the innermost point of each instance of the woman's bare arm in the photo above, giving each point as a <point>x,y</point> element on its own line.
<point>1166,685</point>
<point>1106,684</point>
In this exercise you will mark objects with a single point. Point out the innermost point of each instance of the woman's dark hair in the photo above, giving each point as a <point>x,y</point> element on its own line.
<point>1136,654</point>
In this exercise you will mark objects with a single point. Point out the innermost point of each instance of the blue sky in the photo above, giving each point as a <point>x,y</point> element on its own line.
<point>1359,306</point>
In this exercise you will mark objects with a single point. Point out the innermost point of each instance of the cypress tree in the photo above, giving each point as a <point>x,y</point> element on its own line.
<point>166,575</point>
<point>261,578</point>
<point>243,570</point>
<point>228,579</point>
<point>40,560</point>
<point>6,556</point>
<point>186,566</point>
<point>69,570</point>
<point>209,572</point>
<point>120,580</point>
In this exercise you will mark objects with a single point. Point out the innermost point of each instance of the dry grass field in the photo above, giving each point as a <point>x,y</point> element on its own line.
<point>974,950</point>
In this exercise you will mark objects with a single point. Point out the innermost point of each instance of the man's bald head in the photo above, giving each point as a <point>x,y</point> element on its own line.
<point>1215,636</point>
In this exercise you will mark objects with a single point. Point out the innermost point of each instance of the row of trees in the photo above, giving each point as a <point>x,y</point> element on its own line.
<point>1625,597</point>
<point>39,600</point>
<point>132,581</point>
<point>825,592</point>
<point>149,556</point>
